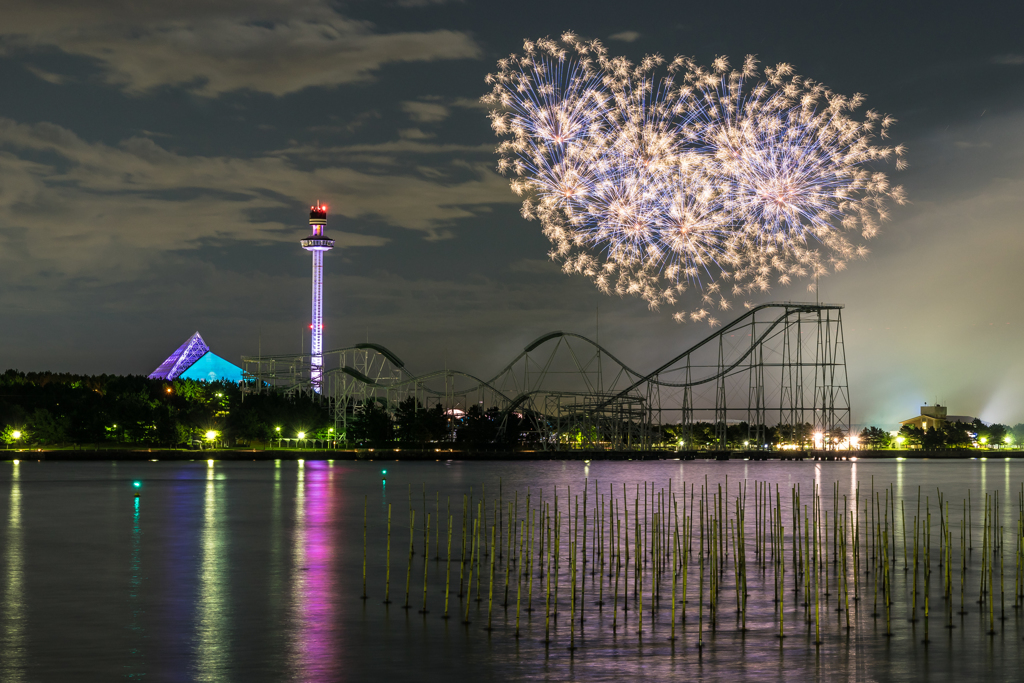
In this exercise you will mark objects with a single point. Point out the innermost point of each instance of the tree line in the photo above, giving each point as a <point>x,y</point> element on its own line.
<point>951,434</point>
<point>97,411</point>
<point>60,409</point>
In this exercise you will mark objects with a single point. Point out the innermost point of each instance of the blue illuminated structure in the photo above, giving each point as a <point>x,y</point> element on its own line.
<point>194,360</point>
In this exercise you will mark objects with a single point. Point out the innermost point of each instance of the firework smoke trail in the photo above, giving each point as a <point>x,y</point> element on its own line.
<point>702,178</point>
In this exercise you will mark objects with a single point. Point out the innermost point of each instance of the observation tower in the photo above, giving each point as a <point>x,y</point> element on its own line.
<point>317,243</point>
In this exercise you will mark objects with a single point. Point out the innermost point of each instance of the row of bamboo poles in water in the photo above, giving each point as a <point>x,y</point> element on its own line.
<point>697,553</point>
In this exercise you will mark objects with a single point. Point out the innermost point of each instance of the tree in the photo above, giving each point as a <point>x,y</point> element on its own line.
<point>416,425</point>
<point>911,435</point>
<point>478,427</point>
<point>997,434</point>
<point>7,435</point>
<point>47,429</point>
<point>245,424</point>
<point>1018,434</point>
<point>371,425</point>
<point>876,438</point>
<point>933,439</point>
<point>956,435</point>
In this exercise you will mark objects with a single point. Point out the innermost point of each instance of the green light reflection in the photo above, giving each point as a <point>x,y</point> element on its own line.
<point>135,650</point>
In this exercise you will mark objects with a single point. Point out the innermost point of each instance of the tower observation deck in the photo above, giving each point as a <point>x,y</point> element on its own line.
<point>317,243</point>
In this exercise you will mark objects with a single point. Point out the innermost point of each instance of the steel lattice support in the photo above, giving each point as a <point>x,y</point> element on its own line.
<point>779,368</point>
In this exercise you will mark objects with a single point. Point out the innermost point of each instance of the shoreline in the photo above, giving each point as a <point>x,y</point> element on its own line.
<point>412,455</point>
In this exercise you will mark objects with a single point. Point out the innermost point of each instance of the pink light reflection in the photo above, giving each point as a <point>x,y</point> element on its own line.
<point>314,586</point>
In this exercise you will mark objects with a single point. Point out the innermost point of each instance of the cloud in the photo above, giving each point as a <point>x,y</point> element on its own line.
<point>1008,59</point>
<point>414,134</point>
<point>425,112</point>
<point>105,210</point>
<point>55,79</point>
<point>221,46</point>
<point>625,36</point>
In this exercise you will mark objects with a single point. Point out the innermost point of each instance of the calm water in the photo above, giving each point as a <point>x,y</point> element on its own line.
<point>253,572</point>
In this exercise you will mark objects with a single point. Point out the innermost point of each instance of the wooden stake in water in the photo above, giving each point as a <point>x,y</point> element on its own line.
<point>963,559</point>
<point>913,612</point>
<point>462,559</point>
<point>782,578</point>
<point>425,559</point>
<point>547,597</point>
<point>817,600</point>
<point>508,551</point>
<point>927,570</point>
<point>618,569</point>
<point>469,578</point>
<point>903,513</point>
<point>490,593</point>
<point>675,577</point>
<point>408,571</point>
<point>529,552</point>
<point>448,569</point>
<point>572,597</point>
<point>700,618</point>
<point>519,579</point>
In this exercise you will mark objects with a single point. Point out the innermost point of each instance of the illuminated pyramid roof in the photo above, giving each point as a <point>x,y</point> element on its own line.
<point>194,360</point>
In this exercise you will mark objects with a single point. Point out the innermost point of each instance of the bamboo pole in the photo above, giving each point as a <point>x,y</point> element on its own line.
<point>519,578</point>
<point>448,569</point>
<point>425,565</point>
<point>408,571</point>
<point>469,577</point>
<point>490,590</point>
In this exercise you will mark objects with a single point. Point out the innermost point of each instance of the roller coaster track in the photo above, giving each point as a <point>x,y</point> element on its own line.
<point>569,385</point>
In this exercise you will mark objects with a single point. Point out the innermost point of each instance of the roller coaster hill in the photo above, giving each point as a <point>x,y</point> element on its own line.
<point>772,379</point>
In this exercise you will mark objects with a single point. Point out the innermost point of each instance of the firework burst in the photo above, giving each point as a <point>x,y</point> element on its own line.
<point>685,185</point>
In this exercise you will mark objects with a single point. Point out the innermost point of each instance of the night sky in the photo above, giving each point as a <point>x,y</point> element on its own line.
<point>157,162</point>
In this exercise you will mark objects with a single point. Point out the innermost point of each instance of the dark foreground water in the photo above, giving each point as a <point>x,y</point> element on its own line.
<point>253,572</point>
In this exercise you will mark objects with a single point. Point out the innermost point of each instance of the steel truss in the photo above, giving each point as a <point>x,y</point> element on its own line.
<point>779,364</point>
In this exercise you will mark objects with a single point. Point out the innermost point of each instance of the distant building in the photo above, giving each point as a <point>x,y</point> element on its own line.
<point>933,417</point>
<point>195,360</point>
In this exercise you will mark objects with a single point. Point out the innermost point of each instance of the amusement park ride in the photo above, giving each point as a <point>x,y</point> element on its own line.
<point>781,364</point>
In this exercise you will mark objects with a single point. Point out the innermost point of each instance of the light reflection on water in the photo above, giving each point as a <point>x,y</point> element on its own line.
<point>313,650</point>
<point>136,649</point>
<point>260,566</point>
<point>12,650</point>
<point>211,610</point>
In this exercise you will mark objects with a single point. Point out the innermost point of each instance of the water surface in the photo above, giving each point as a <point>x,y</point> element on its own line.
<point>253,572</point>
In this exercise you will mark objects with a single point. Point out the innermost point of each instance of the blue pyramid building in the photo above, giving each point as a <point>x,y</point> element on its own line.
<point>194,360</point>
